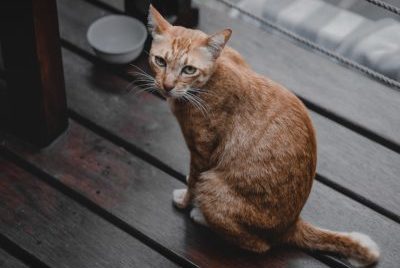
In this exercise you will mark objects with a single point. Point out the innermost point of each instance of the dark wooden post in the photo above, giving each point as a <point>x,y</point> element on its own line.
<point>180,11</point>
<point>33,70</point>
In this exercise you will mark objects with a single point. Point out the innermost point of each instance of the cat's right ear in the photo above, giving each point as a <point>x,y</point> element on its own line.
<point>216,42</point>
<point>156,23</point>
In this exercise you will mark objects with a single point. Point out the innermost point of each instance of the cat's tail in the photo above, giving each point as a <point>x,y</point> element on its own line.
<point>358,248</point>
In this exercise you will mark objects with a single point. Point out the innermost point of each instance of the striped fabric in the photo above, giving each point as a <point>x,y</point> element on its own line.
<point>372,43</point>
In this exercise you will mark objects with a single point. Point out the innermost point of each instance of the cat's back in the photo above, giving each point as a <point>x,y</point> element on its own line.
<point>268,122</point>
<point>230,54</point>
<point>286,119</point>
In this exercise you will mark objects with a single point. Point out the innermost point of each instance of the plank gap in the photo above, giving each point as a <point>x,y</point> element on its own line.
<point>104,6</point>
<point>103,132</point>
<point>369,134</point>
<point>21,254</point>
<point>359,198</point>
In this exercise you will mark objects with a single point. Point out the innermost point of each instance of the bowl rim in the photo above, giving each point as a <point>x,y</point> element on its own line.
<point>89,34</point>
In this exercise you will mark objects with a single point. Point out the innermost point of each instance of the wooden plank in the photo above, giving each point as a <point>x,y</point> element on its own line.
<point>118,4</point>
<point>140,195</point>
<point>331,210</point>
<point>60,232</point>
<point>33,70</point>
<point>345,157</point>
<point>354,162</point>
<point>115,86</point>
<point>8,261</point>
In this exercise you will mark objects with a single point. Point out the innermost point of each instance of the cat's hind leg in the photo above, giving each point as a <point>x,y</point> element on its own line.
<point>236,233</point>
<point>225,213</point>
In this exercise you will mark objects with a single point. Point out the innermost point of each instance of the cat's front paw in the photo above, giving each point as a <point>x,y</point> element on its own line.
<point>179,198</point>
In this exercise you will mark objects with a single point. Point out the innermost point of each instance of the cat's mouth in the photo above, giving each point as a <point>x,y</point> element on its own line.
<point>174,93</point>
<point>167,94</point>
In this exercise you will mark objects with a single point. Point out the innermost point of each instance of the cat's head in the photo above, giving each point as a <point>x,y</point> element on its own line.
<point>182,59</point>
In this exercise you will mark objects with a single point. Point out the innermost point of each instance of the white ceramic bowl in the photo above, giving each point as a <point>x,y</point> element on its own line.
<point>117,39</point>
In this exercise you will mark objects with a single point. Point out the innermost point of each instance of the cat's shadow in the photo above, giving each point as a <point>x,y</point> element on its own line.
<point>203,243</point>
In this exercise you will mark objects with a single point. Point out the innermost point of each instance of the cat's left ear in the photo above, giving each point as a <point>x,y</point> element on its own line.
<point>156,23</point>
<point>216,42</point>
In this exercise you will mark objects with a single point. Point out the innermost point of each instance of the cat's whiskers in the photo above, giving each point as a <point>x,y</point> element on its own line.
<point>200,91</point>
<point>144,81</point>
<point>142,78</point>
<point>147,89</point>
<point>197,102</point>
<point>189,98</point>
<point>138,68</point>
<point>140,74</point>
<point>141,84</point>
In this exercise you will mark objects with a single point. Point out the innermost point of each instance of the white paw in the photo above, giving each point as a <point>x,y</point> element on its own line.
<point>197,216</point>
<point>178,197</point>
<point>187,178</point>
<point>366,242</point>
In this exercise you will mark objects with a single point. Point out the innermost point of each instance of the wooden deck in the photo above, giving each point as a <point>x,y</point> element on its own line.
<point>100,196</point>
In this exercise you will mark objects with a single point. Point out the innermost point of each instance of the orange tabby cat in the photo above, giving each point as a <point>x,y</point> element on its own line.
<point>252,145</point>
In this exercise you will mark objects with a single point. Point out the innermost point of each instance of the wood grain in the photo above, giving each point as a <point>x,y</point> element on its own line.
<point>142,121</point>
<point>140,195</point>
<point>155,130</point>
<point>8,261</point>
<point>60,232</point>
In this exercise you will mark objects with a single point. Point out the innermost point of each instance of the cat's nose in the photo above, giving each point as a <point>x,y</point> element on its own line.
<point>168,87</point>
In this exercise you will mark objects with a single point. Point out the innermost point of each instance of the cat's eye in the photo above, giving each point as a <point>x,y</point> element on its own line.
<point>188,69</point>
<point>160,61</point>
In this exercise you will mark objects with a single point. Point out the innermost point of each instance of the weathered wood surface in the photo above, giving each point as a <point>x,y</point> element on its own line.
<point>8,261</point>
<point>345,157</point>
<point>156,132</point>
<point>60,232</point>
<point>140,195</point>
